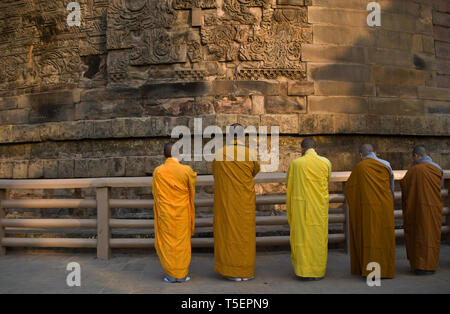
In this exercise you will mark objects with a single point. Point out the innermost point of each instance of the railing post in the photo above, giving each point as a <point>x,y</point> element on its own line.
<point>346,224</point>
<point>103,229</point>
<point>2,215</point>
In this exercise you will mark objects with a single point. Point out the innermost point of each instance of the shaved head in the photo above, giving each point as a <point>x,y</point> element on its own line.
<point>420,150</point>
<point>237,129</point>
<point>366,149</point>
<point>168,150</point>
<point>308,143</point>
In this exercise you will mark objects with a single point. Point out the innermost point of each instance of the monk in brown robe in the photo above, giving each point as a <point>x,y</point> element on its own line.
<point>369,194</point>
<point>422,212</point>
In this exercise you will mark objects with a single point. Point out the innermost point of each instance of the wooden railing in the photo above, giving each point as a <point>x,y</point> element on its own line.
<point>104,223</point>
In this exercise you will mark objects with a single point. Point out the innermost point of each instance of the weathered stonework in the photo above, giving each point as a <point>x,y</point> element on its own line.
<point>102,99</point>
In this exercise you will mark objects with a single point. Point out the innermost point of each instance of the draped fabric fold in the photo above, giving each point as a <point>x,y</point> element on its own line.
<point>307,211</point>
<point>173,189</point>
<point>422,215</point>
<point>371,210</point>
<point>234,211</point>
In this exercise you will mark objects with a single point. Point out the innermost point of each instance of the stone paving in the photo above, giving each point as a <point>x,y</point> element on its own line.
<point>142,273</point>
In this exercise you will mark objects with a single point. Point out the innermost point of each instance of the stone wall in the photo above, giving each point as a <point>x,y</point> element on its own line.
<point>101,99</point>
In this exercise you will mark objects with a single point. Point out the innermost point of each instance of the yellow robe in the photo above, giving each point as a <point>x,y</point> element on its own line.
<point>307,212</point>
<point>173,189</point>
<point>234,212</point>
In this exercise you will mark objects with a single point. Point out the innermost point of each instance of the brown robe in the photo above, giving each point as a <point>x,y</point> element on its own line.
<point>422,215</point>
<point>371,211</point>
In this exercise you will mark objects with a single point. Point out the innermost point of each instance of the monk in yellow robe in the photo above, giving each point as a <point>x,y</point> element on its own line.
<point>422,212</point>
<point>173,189</point>
<point>370,196</point>
<point>234,168</point>
<point>307,211</point>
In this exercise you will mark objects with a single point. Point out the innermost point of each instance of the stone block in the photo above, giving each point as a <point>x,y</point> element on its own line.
<point>81,169</point>
<point>116,167</point>
<point>175,90</point>
<point>340,17</point>
<point>339,72</point>
<point>344,35</point>
<point>5,133</point>
<point>326,104</point>
<point>400,6</point>
<point>287,123</point>
<point>6,169</point>
<point>285,104</point>
<point>434,93</point>
<point>441,18</point>
<point>438,107</point>
<point>196,18</point>
<point>397,91</point>
<point>245,88</point>
<point>290,2</point>
<point>65,168</point>
<point>257,104</point>
<point>442,49</point>
<point>443,66</point>
<point>396,106</point>
<point>382,56</point>
<point>249,120</point>
<point>341,88</point>
<point>394,40</point>
<point>232,105</point>
<point>428,44</point>
<point>25,133</point>
<point>398,76</point>
<point>14,116</point>
<point>441,33</point>
<point>151,163</point>
<point>50,168</point>
<point>316,124</point>
<point>98,167</point>
<point>348,4</point>
<point>333,54</point>
<point>443,81</point>
<point>135,166</point>
<point>441,6</point>
<point>35,169</point>
<point>8,103</point>
<point>171,107</point>
<point>300,88</point>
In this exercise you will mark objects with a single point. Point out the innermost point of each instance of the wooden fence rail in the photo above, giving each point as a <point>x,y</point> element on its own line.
<point>104,223</point>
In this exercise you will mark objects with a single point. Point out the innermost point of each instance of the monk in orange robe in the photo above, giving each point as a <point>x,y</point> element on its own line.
<point>369,194</point>
<point>422,212</point>
<point>173,189</point>
<point>234,210</point>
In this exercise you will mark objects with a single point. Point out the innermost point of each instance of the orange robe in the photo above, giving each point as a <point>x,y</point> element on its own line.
<point>422,215</point>
<point>234,212</point>
<point>371,210</point>
<point>173,189</point>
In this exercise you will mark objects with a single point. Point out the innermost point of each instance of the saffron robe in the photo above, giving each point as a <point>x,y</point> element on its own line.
<point>371,212</point>
<point>234,223</point>
<point>173,189</point>
<point>307,203</point>
<point>422,215</point>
